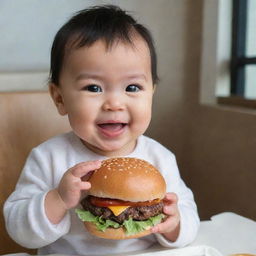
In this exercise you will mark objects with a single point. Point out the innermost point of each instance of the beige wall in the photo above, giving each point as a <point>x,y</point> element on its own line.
<point>219,160</point>
<point>215,147</point>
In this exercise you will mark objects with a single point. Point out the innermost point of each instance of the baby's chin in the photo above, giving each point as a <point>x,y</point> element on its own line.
<point>110,149</point>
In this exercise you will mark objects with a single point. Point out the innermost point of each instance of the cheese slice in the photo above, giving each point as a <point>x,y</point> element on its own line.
<point>117,210</point>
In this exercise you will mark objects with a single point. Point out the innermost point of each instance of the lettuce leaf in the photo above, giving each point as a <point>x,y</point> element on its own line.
<point>100,223</point>
<point>131,226</point>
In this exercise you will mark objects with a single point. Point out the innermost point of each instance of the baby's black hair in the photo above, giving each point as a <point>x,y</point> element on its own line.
<point>106,22</point>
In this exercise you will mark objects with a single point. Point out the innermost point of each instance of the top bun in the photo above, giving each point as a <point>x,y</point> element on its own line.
<point>128,179</point>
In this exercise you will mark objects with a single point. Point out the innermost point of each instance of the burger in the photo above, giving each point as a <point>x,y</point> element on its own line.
<point>125,199</point>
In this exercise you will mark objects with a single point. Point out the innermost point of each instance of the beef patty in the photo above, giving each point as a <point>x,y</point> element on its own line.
<point>136,213</point>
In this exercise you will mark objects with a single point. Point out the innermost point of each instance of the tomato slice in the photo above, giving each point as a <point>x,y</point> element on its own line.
<point>105,202</point>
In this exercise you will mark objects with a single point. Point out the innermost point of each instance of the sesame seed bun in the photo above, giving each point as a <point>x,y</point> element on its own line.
<point>128,179</point>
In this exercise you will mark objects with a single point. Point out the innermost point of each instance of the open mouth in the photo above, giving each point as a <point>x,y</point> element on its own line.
<point>112,129</point>
<point>112,126</point>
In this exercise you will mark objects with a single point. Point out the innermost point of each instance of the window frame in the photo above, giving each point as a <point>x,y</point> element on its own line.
<point>239,60</point>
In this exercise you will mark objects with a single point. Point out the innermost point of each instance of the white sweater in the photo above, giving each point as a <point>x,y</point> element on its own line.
<point>25,216</point>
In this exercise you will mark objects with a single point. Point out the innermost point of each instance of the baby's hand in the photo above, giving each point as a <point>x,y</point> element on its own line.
<point>74,181</point>
<point>171,226</point>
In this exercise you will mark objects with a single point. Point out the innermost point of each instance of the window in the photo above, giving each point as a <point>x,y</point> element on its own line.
<point>229,53</point>
<point>243,61</point>
<point>243,55</point>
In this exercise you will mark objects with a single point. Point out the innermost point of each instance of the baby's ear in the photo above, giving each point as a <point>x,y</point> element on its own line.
<point>57,97</point>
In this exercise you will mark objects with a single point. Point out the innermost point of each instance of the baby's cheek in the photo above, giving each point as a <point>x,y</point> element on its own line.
<point>144,116</point>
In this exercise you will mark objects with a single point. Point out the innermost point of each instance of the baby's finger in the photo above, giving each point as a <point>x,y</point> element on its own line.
<point>85,185</point>
<point>82,169</point>
<point>169,224</point>
<point>171,198</point>
<point>87,176</point>
<point>170,210</point>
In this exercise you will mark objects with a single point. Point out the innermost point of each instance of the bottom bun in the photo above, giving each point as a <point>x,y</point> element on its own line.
<point>242,254</point>
<point>113,233</point>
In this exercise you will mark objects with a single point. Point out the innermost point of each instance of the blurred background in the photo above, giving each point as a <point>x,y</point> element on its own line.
<point>215,144</point>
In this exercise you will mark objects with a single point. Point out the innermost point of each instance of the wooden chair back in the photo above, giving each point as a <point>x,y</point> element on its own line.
<point>26,120</point>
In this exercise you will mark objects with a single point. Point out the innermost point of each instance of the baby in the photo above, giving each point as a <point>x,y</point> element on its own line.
<point>103,77</point>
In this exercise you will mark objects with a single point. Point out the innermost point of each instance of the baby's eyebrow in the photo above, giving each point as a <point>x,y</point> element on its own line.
<point>88,76</point>
<point>137,76</point>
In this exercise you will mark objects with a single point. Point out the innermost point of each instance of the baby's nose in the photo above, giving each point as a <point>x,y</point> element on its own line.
<point>113,103</point>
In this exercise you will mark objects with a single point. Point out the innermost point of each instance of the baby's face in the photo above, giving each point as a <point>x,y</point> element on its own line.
<point>107,95</point>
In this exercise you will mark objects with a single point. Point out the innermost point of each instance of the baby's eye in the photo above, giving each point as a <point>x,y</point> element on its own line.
<point>92,88</point>
<point>133,88</point>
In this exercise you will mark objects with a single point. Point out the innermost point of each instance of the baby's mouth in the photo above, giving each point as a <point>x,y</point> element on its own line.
<point>112,127</point>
